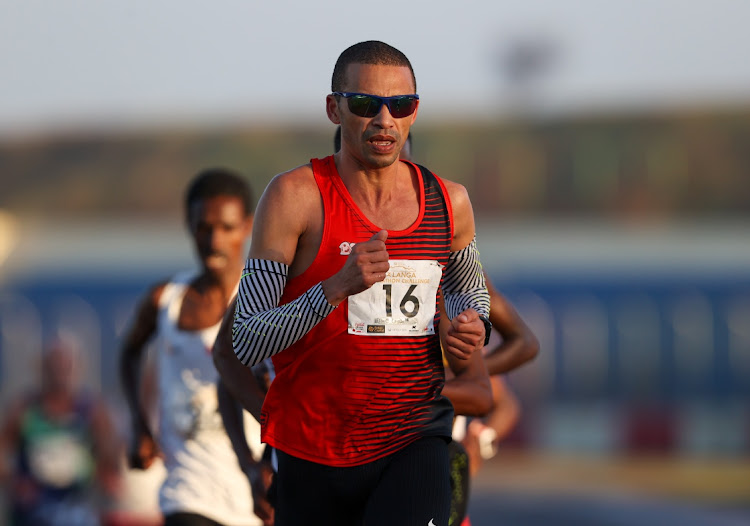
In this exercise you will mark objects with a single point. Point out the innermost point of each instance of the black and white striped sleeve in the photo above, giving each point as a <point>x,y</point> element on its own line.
<point>261,327</point>
<point>463,282</point>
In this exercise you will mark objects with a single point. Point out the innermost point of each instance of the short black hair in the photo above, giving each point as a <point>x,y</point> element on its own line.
<point>213,182</point>
<point>369,52</point>
<point>337,139</point>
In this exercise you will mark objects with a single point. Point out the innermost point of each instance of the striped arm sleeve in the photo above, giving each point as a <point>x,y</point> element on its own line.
<point>261,327</point>
<point>463,282</point>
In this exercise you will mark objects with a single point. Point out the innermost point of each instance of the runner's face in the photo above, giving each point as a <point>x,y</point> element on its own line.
<point>219,228</point>
<point>376,141</point>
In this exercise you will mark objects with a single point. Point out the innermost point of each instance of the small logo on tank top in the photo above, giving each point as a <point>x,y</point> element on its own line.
<point>346,248</point>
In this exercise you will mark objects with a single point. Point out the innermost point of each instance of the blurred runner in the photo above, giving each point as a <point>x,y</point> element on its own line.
<point>63,451</point>
<point>204,485</point>
<point>512,345</point>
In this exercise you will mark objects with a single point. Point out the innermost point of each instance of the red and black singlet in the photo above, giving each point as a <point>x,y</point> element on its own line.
<point>345,399</point>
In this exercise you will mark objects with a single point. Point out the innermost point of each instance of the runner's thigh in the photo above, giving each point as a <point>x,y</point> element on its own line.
<point>312,494</point>
<point>415,487</point>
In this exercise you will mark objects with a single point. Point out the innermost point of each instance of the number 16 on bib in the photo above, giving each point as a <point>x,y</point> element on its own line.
<point>403,304</point>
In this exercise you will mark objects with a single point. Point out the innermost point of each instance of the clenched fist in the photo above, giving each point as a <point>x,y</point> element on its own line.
<point>366,265</point>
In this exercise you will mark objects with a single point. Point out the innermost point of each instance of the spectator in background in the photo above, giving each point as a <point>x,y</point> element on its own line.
<point>59,454</point>
<point>204,485</point>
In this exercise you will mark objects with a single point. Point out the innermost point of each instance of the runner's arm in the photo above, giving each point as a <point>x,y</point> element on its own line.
<point>288,211</point>
<point>467,383</point>
<point>237,389</point>
<point>519,345</point>
<point>143,447</point>
<point>464,290</point>
<point>107,449</point>
<point>240,382</point>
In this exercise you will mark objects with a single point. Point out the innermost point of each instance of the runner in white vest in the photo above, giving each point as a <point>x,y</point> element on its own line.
<point>204,485</point>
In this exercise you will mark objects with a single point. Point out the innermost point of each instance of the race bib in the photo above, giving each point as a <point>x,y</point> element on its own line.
<point>60,460</point>
<point>403,304</point>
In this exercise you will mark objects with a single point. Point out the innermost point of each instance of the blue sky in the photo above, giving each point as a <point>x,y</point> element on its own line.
<point>139,62</point>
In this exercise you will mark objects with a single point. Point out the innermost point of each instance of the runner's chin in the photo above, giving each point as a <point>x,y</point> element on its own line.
<point>215,262</point>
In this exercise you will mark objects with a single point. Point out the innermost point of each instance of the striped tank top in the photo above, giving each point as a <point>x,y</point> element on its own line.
<point>367,380</point>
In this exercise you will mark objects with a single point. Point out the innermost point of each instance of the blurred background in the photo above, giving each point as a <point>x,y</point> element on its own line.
<point>605,146</point>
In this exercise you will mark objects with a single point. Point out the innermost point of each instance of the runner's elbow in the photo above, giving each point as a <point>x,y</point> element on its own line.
<point>531,347</point>
<point>483,402</point>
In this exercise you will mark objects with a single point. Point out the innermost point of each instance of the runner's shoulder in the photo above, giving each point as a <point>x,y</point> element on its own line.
<point>292,183</point>
<point>293,194</point>
<point>457,192</point>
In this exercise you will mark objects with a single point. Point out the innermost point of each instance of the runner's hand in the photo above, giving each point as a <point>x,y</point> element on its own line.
<point>366,265</point>
<point>143,451</point>
<point>465,335</point>
<point>260,475</point>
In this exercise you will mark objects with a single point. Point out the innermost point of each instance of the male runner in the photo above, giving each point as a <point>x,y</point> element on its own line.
<point>469,390</point>
<point>341,289</point>
<point>204,485</point>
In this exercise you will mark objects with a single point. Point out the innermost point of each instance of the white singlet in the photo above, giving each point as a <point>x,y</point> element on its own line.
<point>203,474</point>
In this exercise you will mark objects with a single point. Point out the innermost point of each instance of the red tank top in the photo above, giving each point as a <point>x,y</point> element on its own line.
<point>344,399</point>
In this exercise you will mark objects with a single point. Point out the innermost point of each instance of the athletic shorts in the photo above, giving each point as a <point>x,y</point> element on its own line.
<point>408,488</point>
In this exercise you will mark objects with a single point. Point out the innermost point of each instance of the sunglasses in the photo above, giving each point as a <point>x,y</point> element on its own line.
<point>368,106</point>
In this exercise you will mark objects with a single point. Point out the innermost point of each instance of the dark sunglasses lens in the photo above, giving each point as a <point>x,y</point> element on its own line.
<point>364,105</point>
<point>402,106</point>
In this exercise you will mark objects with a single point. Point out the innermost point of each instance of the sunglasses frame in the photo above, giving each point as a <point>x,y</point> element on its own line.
<point>381,100</point>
